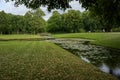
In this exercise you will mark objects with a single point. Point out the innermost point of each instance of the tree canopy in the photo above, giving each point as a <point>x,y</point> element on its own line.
<point>107,10</point>
<point>32,22</point>
<point>58,4</point>
<point>70,22</point>
<point>73,21</point>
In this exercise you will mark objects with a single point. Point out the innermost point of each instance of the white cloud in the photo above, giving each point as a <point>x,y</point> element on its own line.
<point>76,6</point>
<point>47,16</point>
<point>10,8</point>
<point>47,13</point>
<point>21,10</point>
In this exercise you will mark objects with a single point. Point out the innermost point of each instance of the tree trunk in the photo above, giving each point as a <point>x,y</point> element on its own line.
<point>107,28</point>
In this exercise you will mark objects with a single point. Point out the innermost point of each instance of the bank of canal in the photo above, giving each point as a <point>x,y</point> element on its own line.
<point>106,59</point>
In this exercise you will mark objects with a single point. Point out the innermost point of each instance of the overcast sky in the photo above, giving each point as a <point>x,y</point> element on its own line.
<point>21,10</point>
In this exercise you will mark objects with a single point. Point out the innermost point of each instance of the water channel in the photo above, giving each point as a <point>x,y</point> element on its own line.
<point>106,59</point>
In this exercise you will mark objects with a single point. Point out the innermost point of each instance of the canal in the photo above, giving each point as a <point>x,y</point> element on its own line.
<point>106,59</point>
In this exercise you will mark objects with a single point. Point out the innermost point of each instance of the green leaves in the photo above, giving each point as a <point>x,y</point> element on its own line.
<point>73,21</point>
<point>67,22</point>
<point>52,4</point>
<point>54,22</point>
<point>32,22</point>
<point>107,10</point>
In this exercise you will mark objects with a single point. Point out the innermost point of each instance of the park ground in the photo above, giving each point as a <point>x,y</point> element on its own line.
<point>41,60</point>
<point>111,40</point>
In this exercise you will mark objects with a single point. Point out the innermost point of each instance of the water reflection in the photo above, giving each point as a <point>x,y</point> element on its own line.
<point>104,68</point>
<point>107,59</point>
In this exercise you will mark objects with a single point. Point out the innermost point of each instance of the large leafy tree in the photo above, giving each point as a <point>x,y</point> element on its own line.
<point>72,21</point>
<point>90,22</point>
<point>35,22</point>
<point>4,22</point>
<point>58,4</point>
<point>54,23</point>
<point>107,10</point>
<point>65,23</point>
<point>32,22</point>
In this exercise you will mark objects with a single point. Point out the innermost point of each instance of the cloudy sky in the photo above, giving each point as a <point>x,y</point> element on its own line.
<point>21,10</point>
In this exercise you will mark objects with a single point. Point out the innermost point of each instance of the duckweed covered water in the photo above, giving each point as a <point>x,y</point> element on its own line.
<point>106,59</point>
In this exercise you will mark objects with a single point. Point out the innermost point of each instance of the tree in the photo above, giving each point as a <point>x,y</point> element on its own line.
<point>16,24</point>
<point>32,22</point>
<point>38,20</point>
<point>54,23</point>
<point>90,22</point>
<point>35,22</point>
<point>65,23</point>
<point>4,23</point>
<point>58,4</point>
<point>72,21</point>
<point>107,10</point>
<point>37,13</point>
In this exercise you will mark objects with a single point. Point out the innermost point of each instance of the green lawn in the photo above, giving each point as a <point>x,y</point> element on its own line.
<point>104,39</point>
<point>40,60</point>
<point>19,37</point>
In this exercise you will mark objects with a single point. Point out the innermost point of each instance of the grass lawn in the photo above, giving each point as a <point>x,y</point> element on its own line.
<point>20,37</point>
<point>40,60</point>
<point>104,39</point>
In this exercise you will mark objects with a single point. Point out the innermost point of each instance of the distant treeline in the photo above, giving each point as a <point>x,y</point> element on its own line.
<point>75,21</point>
<point>32,22</point>
<point>70,22</point>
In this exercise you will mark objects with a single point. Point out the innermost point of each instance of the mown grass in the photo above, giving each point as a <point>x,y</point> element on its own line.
<point>39,60</point>
<point>19,37</point>
<point>105,39</point>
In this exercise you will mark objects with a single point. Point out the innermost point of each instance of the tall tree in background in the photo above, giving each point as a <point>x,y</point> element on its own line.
<point>4,23</point>
<point>32,22</point>
<point>107,10</point>
<point>36,22</point>
<point>54,23</point>
<point>90,22</point>
<point>69,22</point>
<point>72,21</point>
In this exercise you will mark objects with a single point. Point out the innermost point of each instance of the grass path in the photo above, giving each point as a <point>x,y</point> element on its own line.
<point>39,60</point>
<point>105,39</point>
<point>19,37</point>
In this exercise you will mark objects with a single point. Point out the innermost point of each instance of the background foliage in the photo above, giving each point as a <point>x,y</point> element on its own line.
<point>31,22</point>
